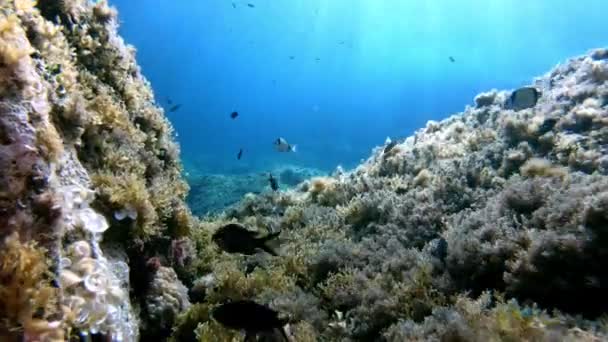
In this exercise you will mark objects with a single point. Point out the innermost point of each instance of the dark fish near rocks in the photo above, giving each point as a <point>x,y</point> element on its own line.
<point>523,98</point>
<point>235,238</point>
<point>274,184</point>
<point>251,317</point>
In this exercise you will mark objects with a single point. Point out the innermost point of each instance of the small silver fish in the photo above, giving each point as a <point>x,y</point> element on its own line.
<point>283,146</point>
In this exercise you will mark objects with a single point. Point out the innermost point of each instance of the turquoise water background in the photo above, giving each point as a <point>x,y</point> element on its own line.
<point>337,77</point>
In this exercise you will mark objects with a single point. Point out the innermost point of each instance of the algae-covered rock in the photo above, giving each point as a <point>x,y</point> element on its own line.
<point>165,299</point>
<point>81,139</point>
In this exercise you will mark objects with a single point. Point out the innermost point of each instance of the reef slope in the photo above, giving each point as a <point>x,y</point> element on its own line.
<point>489,225</point>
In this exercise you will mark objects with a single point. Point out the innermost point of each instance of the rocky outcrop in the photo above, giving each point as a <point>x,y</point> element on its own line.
<point>476,228</point>
<point>81,144</point>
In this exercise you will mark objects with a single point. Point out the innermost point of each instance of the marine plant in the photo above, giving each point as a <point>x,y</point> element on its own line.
<point>83,143</point>
<point>28,301</point>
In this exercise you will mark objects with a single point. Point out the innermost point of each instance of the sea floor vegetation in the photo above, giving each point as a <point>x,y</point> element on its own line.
<point>487,226</point>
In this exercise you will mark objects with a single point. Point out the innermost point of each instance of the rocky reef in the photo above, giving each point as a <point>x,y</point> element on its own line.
<point>90,189</point>
<point>490,225</point>
<point>213,193</point>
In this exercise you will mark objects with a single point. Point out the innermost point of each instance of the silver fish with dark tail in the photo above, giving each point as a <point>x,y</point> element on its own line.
<point>283,146</point>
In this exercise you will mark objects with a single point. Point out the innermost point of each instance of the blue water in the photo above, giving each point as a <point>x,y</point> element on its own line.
<point>383,68</point>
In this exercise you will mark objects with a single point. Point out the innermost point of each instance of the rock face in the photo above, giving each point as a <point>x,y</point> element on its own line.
<point>473,229</point>
<point>166,298</point>
<point>81,140</point>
